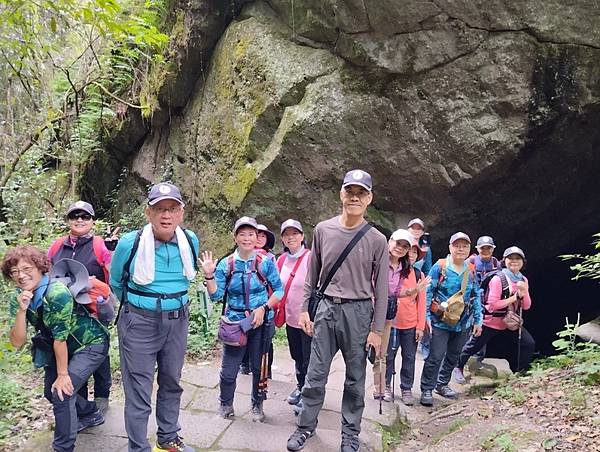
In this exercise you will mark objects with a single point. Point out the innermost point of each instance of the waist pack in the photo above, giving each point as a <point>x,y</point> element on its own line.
<point>512,320</point>
<point>231,332</point>
<point>455,304</point>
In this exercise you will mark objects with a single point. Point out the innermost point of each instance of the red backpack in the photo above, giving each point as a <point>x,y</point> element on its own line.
<point>97,245</point>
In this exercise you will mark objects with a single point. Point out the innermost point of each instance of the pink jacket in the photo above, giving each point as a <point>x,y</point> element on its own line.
<point>494,303</point>
<point>293,302</point>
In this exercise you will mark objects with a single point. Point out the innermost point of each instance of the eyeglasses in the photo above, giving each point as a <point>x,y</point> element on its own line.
<point>76,216</point>
<point>162,210</point>
<point>15,272</point>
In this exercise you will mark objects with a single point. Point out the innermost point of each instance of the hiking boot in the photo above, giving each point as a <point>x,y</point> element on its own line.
<point>101,404</point>
<point>294,397</point>
<point>377,396</point>
<point>458,376</point>
<point>298,407</point>
<point>244,369</point>
<point>226,411</point>
<point>174,445</point>
<point>387,395</point>
<point>258,415</point>
<point>298,439</point>
<point>426,398</point>
<point>92,420</point>
<point>350,443</point>
<point>446,391</point>
<point>407,397</point>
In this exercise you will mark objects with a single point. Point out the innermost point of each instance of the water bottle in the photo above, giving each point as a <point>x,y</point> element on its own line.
<point>106,310</point>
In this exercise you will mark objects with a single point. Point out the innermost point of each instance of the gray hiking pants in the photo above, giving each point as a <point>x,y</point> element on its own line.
<point>145,343</point>
<point>342,327</point>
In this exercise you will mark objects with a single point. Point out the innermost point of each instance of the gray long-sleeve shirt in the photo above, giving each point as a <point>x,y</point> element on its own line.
<point>363,274</point>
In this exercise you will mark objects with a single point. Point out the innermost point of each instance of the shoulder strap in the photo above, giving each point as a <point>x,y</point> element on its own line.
<point>281,261</point>
<point>342,257</point>
<point>98,245</point>
<point>125,275</point>
<point>495,263</point>
<point>194,255</point>
<point>418,274</point>
<point>505,285</point>
<point>56,246</point>
<point>257,264</point>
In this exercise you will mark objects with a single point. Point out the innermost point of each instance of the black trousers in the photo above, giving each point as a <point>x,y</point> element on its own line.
<point>299,343</point>
<point>505,345</point>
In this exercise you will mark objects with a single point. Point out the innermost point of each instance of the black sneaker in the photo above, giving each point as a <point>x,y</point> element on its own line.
<point>258,415</point>
<point>244,369</point>
<point>350,443</point>
<point>426,398</point>
<point>226,411</point>
<point>298,439</point>
<point>446,391</point>
<point>294,397</point>
<point>298,407</point>
<point>92,420</point>
<point>174,445</point>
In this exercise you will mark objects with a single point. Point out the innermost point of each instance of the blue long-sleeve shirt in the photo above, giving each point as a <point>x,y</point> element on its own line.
<point>168,273</point>
<point>425,264</point>
<point>449,286</point>
<point>258,294</point>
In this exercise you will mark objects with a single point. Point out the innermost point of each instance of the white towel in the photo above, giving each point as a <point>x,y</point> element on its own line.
<point>143,272</point>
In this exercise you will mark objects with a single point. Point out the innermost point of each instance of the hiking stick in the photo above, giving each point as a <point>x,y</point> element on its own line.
<point>519,342</point>
<point>381,381</point>
<point>264,362</point>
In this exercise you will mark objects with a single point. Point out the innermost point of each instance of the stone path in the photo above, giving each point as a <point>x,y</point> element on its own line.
<point>204,430</point>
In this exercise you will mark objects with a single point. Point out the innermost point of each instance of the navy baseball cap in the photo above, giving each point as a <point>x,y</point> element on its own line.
<point>81,205</point>
<point>459,236</point>
<point>162,191</point>
<point>358,177</point>
<point>485,240</point>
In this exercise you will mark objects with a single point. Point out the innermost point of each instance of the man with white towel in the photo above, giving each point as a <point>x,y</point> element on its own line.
<point>151,273</point>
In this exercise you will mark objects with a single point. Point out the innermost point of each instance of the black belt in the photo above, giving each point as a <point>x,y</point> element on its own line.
<point>157,296</point>
<point>170,315</point>
<point>338,300</point>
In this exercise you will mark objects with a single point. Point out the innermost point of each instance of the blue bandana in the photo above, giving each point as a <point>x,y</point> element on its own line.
<point>514,277</point>
<point>38,293</point>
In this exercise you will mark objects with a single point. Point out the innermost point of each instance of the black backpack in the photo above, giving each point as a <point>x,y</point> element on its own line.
<point>485,282</point>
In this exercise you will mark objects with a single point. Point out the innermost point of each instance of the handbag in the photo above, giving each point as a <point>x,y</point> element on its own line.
<point>317,295</point>
<point>279,317</point>
<point>456,304</point>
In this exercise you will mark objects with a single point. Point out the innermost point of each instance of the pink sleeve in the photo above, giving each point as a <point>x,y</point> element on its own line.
<point>421,310</point>
<point>527,298</point>
<point>106,255</point>
<point>494,302</point>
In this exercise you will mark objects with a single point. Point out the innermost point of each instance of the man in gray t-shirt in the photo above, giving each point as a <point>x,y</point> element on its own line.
<point>351,315</point>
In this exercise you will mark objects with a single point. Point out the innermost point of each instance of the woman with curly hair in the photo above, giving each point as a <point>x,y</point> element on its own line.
<point>69,344</point>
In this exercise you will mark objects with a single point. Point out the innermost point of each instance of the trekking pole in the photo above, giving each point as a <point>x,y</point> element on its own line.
<point>519,342</point>
<point>394,332</point>
<point>264,362</point>
<point>381,381</point>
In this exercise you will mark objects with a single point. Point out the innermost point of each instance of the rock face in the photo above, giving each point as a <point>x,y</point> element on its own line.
<point>473,115</point>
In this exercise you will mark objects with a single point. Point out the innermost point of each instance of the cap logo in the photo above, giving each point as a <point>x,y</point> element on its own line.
<point>164,189</point>
<point>357,175</point>
<point>80,204</point>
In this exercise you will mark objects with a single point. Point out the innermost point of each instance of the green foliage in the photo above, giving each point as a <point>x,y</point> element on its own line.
<point>513,395</point>
<point>588,266</point>
<point>584,357</point>
<point>203,324</point>
<point>392,435</point>
<point>499,440</point>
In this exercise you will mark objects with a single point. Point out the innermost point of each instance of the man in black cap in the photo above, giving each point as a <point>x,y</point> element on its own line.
<point>346,318</point>
<point>94,252</point>
<point>151,273</point>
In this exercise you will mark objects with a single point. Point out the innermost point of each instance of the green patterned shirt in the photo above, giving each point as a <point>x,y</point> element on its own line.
<point>61,318</point>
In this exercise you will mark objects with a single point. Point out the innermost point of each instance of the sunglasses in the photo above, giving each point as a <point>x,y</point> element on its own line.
<point>83,216</point>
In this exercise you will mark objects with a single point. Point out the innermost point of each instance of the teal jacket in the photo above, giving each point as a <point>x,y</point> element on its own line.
<point>450,285</point>
<point>168,276</point>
